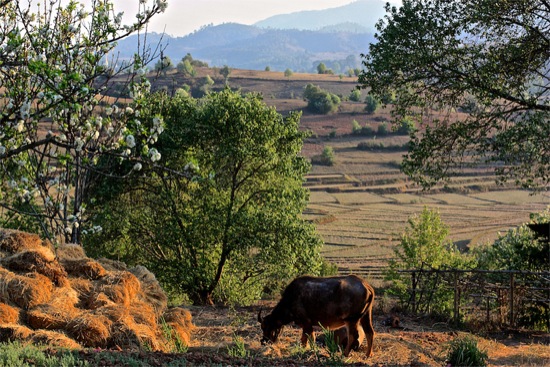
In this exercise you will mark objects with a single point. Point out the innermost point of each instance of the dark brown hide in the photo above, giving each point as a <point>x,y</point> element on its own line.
<point>332,302</point>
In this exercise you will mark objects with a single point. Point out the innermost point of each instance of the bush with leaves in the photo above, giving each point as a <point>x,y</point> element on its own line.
<point>371,104</point>
<point>464,352</point>
<point>425,246</point>
<point>320,100</point>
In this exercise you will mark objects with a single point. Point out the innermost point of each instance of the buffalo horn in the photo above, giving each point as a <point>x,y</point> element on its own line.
<point>260,318</point>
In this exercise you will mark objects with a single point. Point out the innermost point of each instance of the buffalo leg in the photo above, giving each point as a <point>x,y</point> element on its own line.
<point>353,337</point>
<point>307,332</point>
<point>366,322</point>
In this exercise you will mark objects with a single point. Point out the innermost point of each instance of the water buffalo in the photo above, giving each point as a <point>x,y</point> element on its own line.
<point>331,302</point>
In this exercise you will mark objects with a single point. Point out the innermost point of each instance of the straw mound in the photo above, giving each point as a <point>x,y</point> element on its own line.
<point>63,298</point>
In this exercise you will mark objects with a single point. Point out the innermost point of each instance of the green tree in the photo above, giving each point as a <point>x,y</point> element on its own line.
<point>355,95</point>
<point>55,121</point>
<point>164,64</point>
<point>321,68</point>
<point>222,218</point>
<point>225,72</point>
<point>437,54</point>
<point>320,100</point>
<point>425,245</point>
<point>288,73</point>
<point>186,68</point>
<point>371,104</point>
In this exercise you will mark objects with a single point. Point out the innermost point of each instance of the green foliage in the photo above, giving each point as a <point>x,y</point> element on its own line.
<point>326,158</point>
<point>195,63</point>
<point>176,343</point>
<point>186,68</point>
<point>267,68</point>
<point>383,129</point>
<point>238,349</point>
<point>371,104</point>
<point>425,245</point>
<point>407,126</point>
<point>225,71</point>
<point>502,87</point>
<point>355,127</point>
<point>319,100</point>
<point>373,145</point>
<point>355,95</point>
<point>56,121</point>
<point>288,73</point>
<point>517,249</point>
<point>335,354</point>
<point>219,219</point>
<point>322,69</point>
<point>164,64</point>
<point>465,352</point>
<point>17,355</point>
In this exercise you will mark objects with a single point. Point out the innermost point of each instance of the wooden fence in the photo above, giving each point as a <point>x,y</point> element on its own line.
<point>499,298</point>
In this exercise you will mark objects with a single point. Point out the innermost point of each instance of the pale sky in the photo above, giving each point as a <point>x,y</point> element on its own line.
<point>184,16</point>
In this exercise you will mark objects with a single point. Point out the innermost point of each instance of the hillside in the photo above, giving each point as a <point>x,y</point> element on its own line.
<point>363,13</point>
<point>297,41</point>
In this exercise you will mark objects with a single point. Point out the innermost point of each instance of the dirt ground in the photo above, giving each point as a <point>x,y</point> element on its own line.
<point>231,337</point>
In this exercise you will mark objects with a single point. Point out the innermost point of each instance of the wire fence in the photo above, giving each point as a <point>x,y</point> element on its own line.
<point>498,298</point>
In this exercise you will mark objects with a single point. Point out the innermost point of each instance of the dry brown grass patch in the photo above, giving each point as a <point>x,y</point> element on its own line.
<point>84,268</point>
<point>112,265</point>
<point>37,260</point>
<point>8,314</point>
<point>26,291</point>
<point>13,332</point>
<point>53,339</point>
<point>70,251</point>
<point>151,291</point>
<point>180,320</point>
<point>90,330</point>
<point>121,287</point>
<point>13,241</point>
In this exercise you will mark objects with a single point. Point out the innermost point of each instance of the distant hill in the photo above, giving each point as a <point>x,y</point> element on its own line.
<point>333,36</point>
<point>363,13</point>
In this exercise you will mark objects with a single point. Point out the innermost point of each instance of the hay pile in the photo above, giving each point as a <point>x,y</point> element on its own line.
<point>60,297</point>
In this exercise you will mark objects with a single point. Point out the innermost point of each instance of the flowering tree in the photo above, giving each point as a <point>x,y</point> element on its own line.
<point>55,119</point>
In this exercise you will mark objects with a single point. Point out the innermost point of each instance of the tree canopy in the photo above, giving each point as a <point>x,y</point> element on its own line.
<point>219,218</point>
<point>56,120</point>
<point>488,58</point>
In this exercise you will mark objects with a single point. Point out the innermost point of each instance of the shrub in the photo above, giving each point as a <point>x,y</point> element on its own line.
<point>325,159</point>
<point>383,129</point>
<point>371,104</point>
<point>406,127</point>
<point>355,95</point>
<point>319,100</point>
<point>465,352</point>
<point>425,245</point>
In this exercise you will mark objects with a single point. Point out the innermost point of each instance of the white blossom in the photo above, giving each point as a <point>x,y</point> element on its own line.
<point>25,109</point>
<point>129,110</point>
<point>20,126</point>
<point>130,141</point>
<point>154,155</point>
<point>137,166</point>
<point>2,150</point>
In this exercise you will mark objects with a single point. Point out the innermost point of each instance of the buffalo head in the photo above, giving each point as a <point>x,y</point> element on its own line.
<point>271,328</point>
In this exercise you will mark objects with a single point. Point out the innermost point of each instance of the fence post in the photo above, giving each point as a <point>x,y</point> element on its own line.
<point>511,300</point>
<point>413,291</point>
<point>456,299</point>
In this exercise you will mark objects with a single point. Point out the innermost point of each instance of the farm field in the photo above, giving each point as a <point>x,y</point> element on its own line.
<point>362,203</point>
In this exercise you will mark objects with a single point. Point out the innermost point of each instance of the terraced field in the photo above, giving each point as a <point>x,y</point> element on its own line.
<point>362,203</point>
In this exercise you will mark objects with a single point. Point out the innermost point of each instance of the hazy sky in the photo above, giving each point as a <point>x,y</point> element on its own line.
<point>184,16</point>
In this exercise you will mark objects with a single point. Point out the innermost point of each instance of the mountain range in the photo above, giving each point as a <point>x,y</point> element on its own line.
<point>297,41</point>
